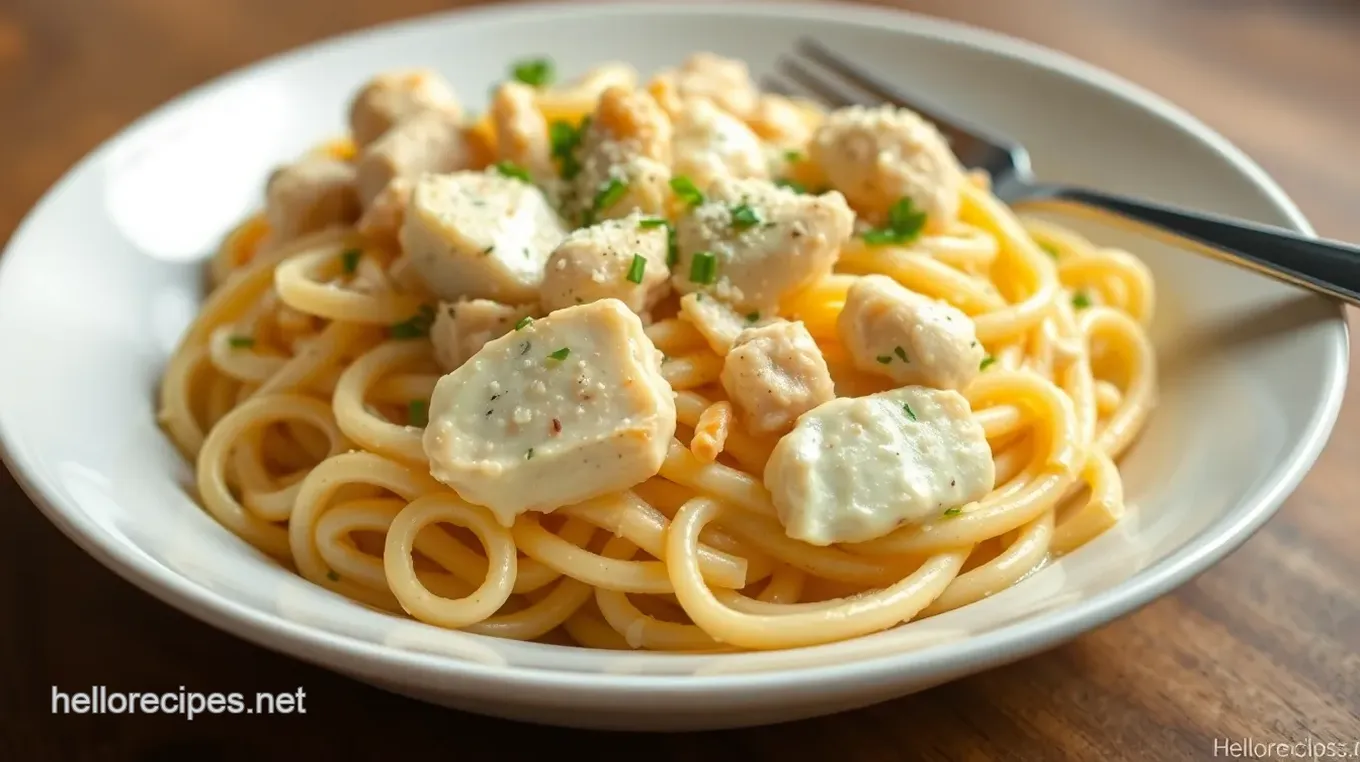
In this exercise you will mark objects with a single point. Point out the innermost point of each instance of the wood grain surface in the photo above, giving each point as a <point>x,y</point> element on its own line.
<point>1265,646</point>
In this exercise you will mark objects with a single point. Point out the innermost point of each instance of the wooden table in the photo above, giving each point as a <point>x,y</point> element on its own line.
<point>1265,646</point>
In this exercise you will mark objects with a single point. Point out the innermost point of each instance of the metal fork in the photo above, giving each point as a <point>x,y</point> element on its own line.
<point>1328,267</point>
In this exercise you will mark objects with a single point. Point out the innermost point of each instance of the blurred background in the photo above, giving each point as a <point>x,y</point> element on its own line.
<point>1230,654</point>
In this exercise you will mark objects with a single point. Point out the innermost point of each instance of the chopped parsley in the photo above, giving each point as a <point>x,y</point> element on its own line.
<point>685,190</point>
<point>952,512</point>
<point>753,317</point>
<point>530,454</point>
<point>743,217</point>
<point>704,268</point>
<point>535,72</point>
<point>332,576</point>
<point>1050,249</point>
<point>906,408</point>
<point>672,247</point>
<point>349,259</point>
<point>241,342</point>
<point>986,361</point>
<point>417,413</point>
<point>793,156</point>
<point>513,171</point>
<point>560,354</point>
<point>884,359</point>
<point>1080,300</point>
<point>605,197</point>
<point>904,225</point>
<point>414,327</point>
<point>636,269</point>
<point>792,185</point>
<point>652,222</point>
<point>901,354</point>
<point>565,138</point>
<point>524,322</point>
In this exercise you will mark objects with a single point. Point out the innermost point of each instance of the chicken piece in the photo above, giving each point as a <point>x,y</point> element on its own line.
<point>308,195</point>
<point>462,328</point>
<point>718,323</point>
<point>393,97</point>
<point>621,259</point>
<point>752,243</point>
<point>856,468</point>
<point>622,161</point>
<point>879,155</point>
<point>774,374</point>
<point>724,81</point>
<point>711,143</point>
<point>480,235</point>
<point>910,338</point>
<point>569,407</point>
<point>521,130</point>
<point>430,141</point>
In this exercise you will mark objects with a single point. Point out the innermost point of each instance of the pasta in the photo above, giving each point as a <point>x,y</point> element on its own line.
<point>782,285</point>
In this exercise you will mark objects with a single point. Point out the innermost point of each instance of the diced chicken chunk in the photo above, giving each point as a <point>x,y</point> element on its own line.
<point>462,328</point>
<point>908,337</point>
<point>718,323</point>
<point>395,96</point>
<point>521,130</point>
<point>570,407</point>
<point>877,156</point>
<point>765,242</point>
<point>430,141</point>
<point>724,81</point>
<point>774,374</point>
<point>621,259</point>
<point>711,143</point>
<point>624,159</point>
<point>310,195</point>
<point>856,468</point>
<point>479,235</point>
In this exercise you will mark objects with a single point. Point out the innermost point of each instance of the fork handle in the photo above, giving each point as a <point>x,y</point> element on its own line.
<point>1328,267</point>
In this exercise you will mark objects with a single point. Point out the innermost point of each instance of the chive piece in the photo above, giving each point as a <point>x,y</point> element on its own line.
<point>349,259</point>
<point>952,512</point>
<point>1080,300</point>
<point>685,190</point>
<point>986,361</point>
<point>524,322</point>
<point>417,413</point>
<point>564,138</point>
<point>704,268</point>
<point>901,354</point>
<point>487,251</point>
<point>1049,249</point>
<point>884,359</point>
<point>607,196</point>
<point>536,72</point>
<point>414,327</point>
<point>792,185</point>
<point>743,217</point>
<point>910,413</point>
<point>241,342</point>
<point>905,223</point>
<point>530,454</point>
<point>752,317</point>
<point>672,247</point>
<point>652,222</point>
<point>513,171</point>
<point>560,354</point>
<point>793,156</point>
<point>638,267</point>
<point>332,576</point>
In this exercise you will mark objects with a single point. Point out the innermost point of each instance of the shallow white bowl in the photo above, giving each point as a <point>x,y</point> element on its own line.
<point>103,276</point>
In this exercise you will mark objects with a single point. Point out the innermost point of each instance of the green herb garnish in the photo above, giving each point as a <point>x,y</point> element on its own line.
<point>901,354</point>
<point>565,138</point>
<point>536,72</point>
<point>530,454</point>
<point>904,225</point>
<point>704,268</point>
<point>524,322</point>
<point>907,409</point>
<point>332,576</point>
<point>884,359</point>
<point>606,197</point>
<point>793,156</point>
<point>752,317</point>
<point>685,190</point>
<point>560,354</point>
<point>241,342</point>
<point>792,185</point>
<point>986,361</point>
<point>1050,249</point>
<point>952,512</point>
<point>417,413</point>
<point>414,327</point>
<point>513,171</point>
<point>636,269</point>
<point>1080,300</point>
<point>349,259</point>
<point>743,217</point>
<point>652,222</point>
<point>672,247</point>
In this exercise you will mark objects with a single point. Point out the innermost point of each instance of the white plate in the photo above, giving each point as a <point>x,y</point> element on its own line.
<point>103,276</point>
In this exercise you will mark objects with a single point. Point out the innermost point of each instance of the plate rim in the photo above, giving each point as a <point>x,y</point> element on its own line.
<point>1046,630</point>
